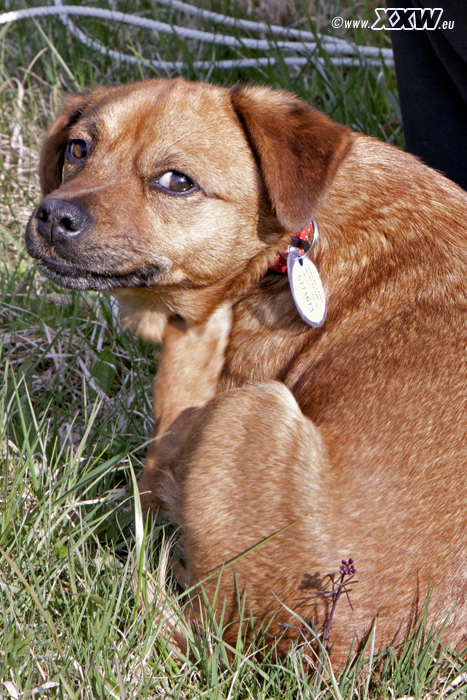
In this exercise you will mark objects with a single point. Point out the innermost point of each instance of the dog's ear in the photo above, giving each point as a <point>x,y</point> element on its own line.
<point>53,148</point>
<point>298,150</point>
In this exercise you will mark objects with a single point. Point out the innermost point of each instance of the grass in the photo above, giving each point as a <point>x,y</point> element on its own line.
<point>75,412</point>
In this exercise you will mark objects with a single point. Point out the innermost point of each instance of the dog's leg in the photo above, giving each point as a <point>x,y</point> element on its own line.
<point>257,506</point>
<point>187,378</point>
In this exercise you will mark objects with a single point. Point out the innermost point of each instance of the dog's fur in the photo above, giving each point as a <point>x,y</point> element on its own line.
<point>352,434</point>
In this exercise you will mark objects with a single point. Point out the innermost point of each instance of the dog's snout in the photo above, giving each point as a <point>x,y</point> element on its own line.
<point>58,220</point>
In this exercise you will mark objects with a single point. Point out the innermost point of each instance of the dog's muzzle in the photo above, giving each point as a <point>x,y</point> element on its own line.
<point>59,236</point>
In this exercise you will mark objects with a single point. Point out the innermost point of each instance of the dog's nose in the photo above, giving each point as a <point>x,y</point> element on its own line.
<point>58,220</point>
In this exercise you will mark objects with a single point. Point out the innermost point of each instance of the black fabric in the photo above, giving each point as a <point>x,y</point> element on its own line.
<point>297,242</point>
<point>431,71</point>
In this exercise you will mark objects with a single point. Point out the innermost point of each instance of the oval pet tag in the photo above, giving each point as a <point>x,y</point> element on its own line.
<point>307,288</point>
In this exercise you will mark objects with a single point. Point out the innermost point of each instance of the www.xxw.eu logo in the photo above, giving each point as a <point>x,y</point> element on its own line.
<point>410,18</point>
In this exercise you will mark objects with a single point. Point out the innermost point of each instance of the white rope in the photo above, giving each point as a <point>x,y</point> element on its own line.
<point>304,45</point>
<point>345,45</point>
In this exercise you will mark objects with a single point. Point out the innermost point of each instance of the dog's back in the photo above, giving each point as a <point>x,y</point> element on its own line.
<point>384,380</point>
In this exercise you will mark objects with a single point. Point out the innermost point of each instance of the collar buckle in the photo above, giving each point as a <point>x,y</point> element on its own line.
<point>298,240</point>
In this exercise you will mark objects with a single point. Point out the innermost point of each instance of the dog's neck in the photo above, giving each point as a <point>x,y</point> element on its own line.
<point>146,311</point>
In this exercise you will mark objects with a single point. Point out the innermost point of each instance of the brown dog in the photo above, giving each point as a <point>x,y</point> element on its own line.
<point>177,197</point>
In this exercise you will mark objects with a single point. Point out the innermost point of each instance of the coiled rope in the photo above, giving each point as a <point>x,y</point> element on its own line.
<point>340,51</point>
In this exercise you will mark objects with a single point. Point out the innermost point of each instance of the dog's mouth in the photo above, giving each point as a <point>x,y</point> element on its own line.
<point>74,277</point>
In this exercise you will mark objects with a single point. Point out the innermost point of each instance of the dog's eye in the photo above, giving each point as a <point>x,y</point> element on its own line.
<point>174,181</point>
<point>77,150</point>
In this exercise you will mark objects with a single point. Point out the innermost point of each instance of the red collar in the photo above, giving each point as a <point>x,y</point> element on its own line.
<point>280,264</point>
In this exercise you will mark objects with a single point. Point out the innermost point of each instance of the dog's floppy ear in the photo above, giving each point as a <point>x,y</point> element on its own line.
<point>53,148</point>
<point>298,149</point>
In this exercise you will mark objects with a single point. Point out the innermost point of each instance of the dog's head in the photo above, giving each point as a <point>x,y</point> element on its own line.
<point>168,184</point>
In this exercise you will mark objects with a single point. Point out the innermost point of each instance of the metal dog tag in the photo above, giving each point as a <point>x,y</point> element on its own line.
<point>307,288</point>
